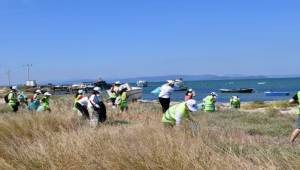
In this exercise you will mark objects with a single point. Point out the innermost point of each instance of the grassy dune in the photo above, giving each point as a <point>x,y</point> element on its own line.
<point>137,140</point>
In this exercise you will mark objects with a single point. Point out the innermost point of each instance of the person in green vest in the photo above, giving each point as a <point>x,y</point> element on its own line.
<point>175,114</point>
<point>296,132</point>
<point>115,89</point>
<point>45,103</point>
<point>13,102</point>
<point>79,95</point>
<point>235,102</point>
<point>123,99</point>
<point>210,102</point>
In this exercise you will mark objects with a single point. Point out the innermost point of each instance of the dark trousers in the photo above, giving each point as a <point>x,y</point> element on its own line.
<point>101,112</point>
<point>15,108</point>
<point>83,110</point>
<point>113,101</point>
<point>165,104</point>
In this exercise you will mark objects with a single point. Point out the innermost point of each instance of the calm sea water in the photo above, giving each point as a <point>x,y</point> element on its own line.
<point>203,88</point>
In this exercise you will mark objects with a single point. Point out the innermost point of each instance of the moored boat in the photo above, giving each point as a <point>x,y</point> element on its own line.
<point>133,93</point>
<point>276,93</point>
<point>241,90</point>
<point>142,83</point>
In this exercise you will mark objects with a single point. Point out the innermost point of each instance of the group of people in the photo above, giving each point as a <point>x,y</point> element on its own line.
<point>119,97</point>
<point>173,115</point>
<point>91,107</point>
<point>39,101</point>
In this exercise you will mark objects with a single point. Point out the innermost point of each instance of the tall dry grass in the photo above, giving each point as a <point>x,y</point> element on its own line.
<point>137,140</point>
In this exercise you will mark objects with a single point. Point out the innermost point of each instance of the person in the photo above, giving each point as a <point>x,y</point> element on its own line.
<point>235,102</point>
<point>177,113</point>
<point>77,96</point>
<point>13,99</point>
<point>209,102</point>
<point>97,107</point>
<point>45,105</point>
<point>22,98</point>
<point>189,95</point>
<point>114,93</point>
<point>165,93</point>
<point>82,106</point>
<point>35,100</point>
<point>123,99</point>
<point>296,132</point>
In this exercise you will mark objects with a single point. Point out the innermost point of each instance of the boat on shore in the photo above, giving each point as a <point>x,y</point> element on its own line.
<point>241,90</point>
<point>142,83</point>
<point>133,93</point>
<point>276,93</point>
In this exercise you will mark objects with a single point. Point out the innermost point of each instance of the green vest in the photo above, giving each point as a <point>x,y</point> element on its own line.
<point>298,95</point>
<point>235,102</point>
<point>170,115</point>
<point>209,104</point>
<point>45,103</point>
<point>123,98</point>
<point>13,99</point>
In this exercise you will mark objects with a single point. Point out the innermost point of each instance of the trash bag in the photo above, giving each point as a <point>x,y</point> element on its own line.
<point>156,91</point>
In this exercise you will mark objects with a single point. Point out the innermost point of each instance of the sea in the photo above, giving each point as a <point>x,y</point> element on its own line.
<point>204,87</point>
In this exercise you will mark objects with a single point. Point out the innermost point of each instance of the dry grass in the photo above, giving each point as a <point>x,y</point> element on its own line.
<point>137,140</point>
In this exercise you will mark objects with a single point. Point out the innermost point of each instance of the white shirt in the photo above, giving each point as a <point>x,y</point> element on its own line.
<point>95,99</point>
<point>165,91</point>
<point>84,101</point>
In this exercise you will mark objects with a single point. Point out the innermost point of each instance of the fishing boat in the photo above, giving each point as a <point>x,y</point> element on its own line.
<point>142,83</point>
<point>241,90</point>
<point>133,93</point>
<point>276,93</point>
<point>261,83</point>
<point>179,85</point>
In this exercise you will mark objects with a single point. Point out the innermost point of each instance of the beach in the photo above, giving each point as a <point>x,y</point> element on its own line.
<point>255,137</point>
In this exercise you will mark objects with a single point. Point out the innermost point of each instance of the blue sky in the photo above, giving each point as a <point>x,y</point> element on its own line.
<point>70,39</point>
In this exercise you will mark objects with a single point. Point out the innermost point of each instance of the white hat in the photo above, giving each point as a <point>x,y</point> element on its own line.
<point>97,89</point>
<point>14,88</point>
<point>47,94</point>
<point>214,94</point>
<point>80,91</point>
<point>38,91</point>
<point>192,105</point>
<point>171,81</point>
<point>118,83</point>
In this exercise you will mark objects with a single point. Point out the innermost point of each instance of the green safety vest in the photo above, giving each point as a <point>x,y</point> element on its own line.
<point>235,102</point>
<point>13,99</point>
<point>45,104</point>
<point>123,98</point>
<point>298,95</point>
<point>209,104</point>
<point>170,115</point>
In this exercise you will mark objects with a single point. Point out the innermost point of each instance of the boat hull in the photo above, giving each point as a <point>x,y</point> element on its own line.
<point>269,93</point>
<point>236,90</point>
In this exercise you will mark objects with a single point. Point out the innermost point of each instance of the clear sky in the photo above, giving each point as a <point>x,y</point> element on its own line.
<point>70,39</point>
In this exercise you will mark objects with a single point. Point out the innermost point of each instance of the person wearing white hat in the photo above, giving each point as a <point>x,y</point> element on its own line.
<point>123,99</point>
<point>165,93</point>
<point>35,100</point>
<point>45,105</point>
<point>175,114</point>
<point>97,108</point>
<point>13,99</point>
<point>115,90</point>
<point>235,102</point>
<point>209,102</point>
<point>77,96</point>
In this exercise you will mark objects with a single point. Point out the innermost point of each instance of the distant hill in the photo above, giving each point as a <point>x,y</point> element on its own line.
<point>189,78</point>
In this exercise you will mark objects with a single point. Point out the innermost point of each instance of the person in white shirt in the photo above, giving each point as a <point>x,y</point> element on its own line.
<point>82,105</point>
<point>97,105</point>
<point>164,95</point>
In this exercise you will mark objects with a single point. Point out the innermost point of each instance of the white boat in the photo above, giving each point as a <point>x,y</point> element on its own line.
<point>134,93</point>
<point>179,85</point>
<point>142,83</point>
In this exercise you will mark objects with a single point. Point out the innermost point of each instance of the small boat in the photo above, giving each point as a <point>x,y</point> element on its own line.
<point>179,85</point>
<point>261,83</point>
<point>241,90</point>
<point>276,93</point>
<point>142,83</point>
